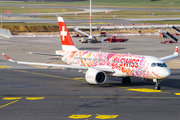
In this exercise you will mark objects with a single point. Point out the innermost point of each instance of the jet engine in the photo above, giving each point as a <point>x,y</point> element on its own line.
<point>94,76</point>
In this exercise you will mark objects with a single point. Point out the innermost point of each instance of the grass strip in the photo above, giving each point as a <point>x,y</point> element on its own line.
<point>162,22</point>
<point>110,3</point>
<point>36,10</point>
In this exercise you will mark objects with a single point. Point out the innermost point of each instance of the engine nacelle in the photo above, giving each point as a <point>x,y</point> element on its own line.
<point>94,76</point>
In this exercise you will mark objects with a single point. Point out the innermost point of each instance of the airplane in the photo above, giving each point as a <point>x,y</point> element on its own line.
<point>97,66</point>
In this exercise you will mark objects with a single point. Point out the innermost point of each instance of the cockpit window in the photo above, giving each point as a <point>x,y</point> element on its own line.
<point>153,65</point>
<point>164,64</point>
<point>158,64</point>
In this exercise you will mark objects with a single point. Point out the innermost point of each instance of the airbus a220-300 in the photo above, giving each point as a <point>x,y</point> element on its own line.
<point>97,66</point>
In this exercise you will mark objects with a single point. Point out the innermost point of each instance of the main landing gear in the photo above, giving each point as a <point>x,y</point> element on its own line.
<point>157,82</point>
<point>126,80</point>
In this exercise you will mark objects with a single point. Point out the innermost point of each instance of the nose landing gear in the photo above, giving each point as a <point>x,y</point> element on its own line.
<point>157,82</point>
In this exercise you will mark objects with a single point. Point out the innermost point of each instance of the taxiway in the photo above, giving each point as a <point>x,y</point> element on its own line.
<point>28,92</point>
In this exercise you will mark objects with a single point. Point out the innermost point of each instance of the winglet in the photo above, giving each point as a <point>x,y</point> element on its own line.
<point>8,58</point>
<point>171,56</point>
<point>176,51</point>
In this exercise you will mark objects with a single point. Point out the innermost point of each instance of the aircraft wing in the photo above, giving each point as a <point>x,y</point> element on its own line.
<point>50,54</point>
<point>171,56</point>
<point>108,70</point>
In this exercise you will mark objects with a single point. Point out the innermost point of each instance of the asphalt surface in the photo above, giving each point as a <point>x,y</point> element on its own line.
<point>80,22</point>
<point>33,93</point>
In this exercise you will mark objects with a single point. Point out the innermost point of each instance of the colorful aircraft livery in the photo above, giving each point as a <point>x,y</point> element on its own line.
<point>98,65</point>
<point>124,63</point>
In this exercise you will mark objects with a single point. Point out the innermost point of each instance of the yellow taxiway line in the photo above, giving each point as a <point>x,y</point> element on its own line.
<point>79,116</point>
<point>3,66</point>
<point>177,93</point>
<point>9,103</point>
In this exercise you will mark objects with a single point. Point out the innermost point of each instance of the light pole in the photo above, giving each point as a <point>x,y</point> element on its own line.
<point>90,36</point>
<point>1,19</point>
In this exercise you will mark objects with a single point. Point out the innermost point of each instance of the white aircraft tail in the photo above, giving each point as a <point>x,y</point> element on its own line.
<point>66,41</point>
<point>176,51</point>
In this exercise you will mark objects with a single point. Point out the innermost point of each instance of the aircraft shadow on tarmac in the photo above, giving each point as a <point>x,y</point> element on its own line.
<point>137,82</point>
<point>172,82</point>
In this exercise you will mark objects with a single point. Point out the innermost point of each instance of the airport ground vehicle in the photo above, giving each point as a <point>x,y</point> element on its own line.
<point>116,39</point>
<point>94,40</point>
<point>170,41</point>
<point>103,34</point>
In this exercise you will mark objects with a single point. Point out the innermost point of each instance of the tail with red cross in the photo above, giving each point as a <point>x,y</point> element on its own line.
<point>66,41</point>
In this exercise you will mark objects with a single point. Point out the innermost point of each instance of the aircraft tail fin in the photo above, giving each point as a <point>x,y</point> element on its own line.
<point>66,41</point>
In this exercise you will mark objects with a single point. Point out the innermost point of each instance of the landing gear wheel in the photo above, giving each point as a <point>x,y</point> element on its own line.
<point>128,80</point>
<point>124,80</point>
<point>157,87</point>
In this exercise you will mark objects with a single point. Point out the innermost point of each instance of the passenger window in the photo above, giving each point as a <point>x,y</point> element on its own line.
<point>153,65</point>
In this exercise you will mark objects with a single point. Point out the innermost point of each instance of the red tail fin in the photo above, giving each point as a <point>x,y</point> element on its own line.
<point>67,43</point>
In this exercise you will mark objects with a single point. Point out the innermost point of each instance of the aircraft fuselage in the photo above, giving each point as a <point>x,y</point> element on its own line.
<point>124,65</point>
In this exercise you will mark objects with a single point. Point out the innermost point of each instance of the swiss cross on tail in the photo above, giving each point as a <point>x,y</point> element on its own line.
<point>63,33</point>
<point>67,43</point>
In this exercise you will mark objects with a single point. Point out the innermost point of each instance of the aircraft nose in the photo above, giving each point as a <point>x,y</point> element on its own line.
<point>164,73</point>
